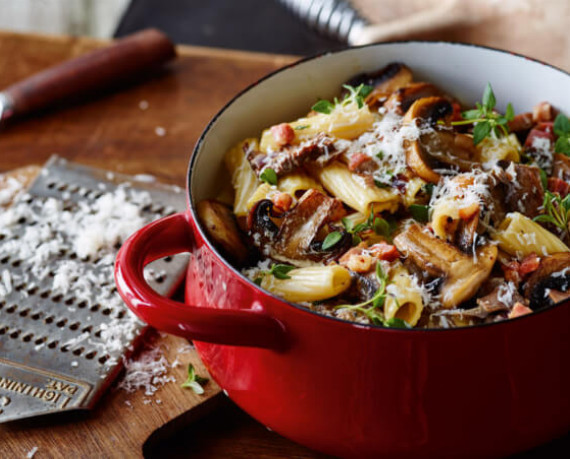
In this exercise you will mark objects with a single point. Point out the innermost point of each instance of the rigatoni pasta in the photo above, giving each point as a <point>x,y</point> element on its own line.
<point>400,209</point>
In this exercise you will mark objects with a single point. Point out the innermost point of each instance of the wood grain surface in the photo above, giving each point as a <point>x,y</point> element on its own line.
<point>146,128</point>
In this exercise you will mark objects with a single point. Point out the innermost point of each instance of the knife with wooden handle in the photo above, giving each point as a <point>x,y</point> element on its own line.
<point>125,59</point>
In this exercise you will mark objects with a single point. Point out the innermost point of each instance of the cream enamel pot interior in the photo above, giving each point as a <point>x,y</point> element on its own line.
<point>341,388</point>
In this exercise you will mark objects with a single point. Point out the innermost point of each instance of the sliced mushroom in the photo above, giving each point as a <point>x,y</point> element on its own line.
<point>301,225</point>
<point>522,187</point>
<point>438,147</point>
<point>501,299</point>
<point>463,274</point>
<point>386,80</point>
<point>553,273</point>
<point>221,226</point>
<point>403,98</point>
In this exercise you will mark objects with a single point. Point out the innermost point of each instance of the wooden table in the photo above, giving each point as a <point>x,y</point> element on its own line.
<point>116,132</point>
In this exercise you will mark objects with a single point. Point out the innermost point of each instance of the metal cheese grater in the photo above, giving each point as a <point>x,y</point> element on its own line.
<point>61,346</point>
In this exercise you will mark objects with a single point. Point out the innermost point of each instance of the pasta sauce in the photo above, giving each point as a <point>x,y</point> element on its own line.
<point>394,205</point>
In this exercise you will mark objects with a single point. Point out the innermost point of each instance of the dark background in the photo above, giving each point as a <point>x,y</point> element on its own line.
<point>255,25</point>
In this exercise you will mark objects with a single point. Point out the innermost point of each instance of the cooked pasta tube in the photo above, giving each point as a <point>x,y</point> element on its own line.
<point>445,216</point>
<point>491,149</point>
<point>346,122</point>
<point>244,180</point>
<point>520,236</point>
<point>413,187</point>
<point>352,190</point>
<point>403,299</point>
<point>314,283</point>
<point>298,181</point>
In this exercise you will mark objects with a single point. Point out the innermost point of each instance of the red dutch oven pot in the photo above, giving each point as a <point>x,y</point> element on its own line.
<point>347,389</point>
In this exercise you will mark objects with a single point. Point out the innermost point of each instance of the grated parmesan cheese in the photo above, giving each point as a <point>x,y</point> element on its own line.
<point>147,371</point>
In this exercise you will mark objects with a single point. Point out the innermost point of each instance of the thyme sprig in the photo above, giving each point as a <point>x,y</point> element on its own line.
<point>556,211</point>
<point>379,225</point>
<point>372,308</point>
<point>354,95</point>
<point>486,120</point>
<point>194,381</point>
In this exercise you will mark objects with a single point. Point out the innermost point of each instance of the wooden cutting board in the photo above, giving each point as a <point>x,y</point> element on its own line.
<point>122,422</point>
<point>147,128</point>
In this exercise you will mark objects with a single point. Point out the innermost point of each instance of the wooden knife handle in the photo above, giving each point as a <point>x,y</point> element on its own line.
<point>96,70</point>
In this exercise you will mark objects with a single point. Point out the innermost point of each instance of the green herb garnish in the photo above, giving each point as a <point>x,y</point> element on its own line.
<point>427,188</point>
<point>304,126</point>
<point>562,130</point>
<point>372,307</point>
<point>268,175</point>
<point>420,213</point>
<point>379,225</point>
<point>380,155</point>
<point>194,381</point>
<point>280,271</point>
<point>556,211</point>
<point>356,95</point>
<point>331,240</point>
<point>487,122</point>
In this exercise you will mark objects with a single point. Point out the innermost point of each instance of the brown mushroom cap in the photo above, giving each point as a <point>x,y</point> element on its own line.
<point>385,80</point>
<point>403,98</point>
<point>463,274</point>
<point>438,146</point>
<point>221,226</point>
<point>545,278</point>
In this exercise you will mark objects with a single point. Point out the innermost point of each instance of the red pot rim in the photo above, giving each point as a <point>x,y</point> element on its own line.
<point>234,99</point>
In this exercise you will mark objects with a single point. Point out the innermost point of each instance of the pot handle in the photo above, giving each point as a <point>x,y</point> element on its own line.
<point>168,236</point>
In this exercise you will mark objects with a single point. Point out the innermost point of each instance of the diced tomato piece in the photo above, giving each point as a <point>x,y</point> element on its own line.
<point>537,133</point>
<point>283,134</point>
<point>385,251</point>
<point>357,160</point>
<point>557,185</point>
<point>518,310</point>
<point>511,272</point>
<point>282,200</point>
<point>529,264</point>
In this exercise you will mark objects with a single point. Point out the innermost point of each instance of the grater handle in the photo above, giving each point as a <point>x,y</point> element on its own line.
<point>169,236</point>
<point>125,59</point>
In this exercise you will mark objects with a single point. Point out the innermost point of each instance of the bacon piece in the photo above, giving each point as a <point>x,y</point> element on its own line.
<point>512,272</point>
<point>559,186</point>
<point>518,310</point>
<point>385,251</point>
<point>521,122</point>
<point>543,112</point>
<point>283,134</point>
<point>283,201</point>
<point>537,133</point>
<point>360,162</point>
<point>302,223</point>
<point>319,149</point>
<point>529,264</point>
<point>357,259</point>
